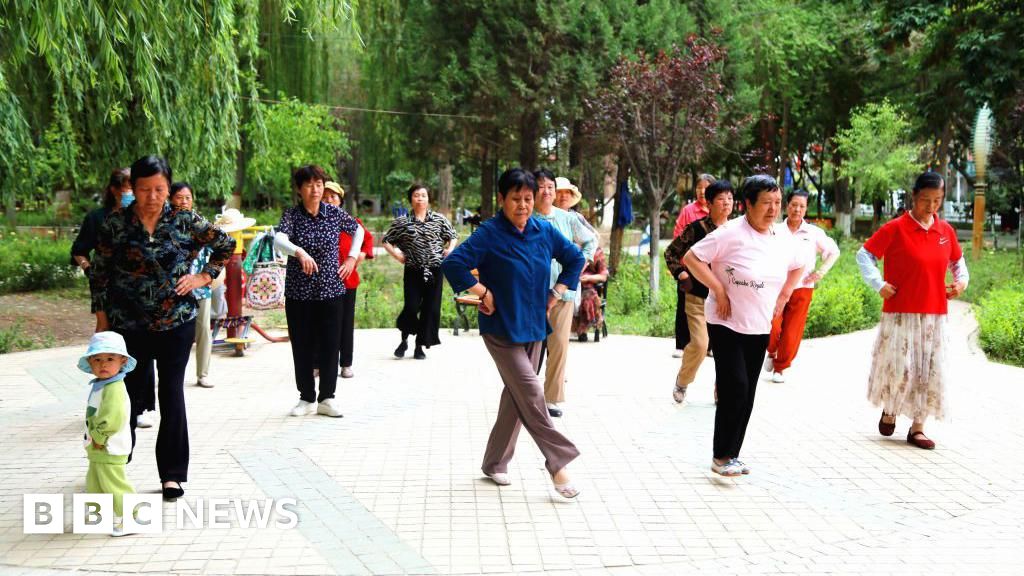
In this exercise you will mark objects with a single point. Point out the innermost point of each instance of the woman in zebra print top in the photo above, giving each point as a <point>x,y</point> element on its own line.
<point>420,241</point>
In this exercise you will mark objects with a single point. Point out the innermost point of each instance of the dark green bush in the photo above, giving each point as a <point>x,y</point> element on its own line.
<point>842,303</point>
<point>30,263</point>
<point>1000,315</point>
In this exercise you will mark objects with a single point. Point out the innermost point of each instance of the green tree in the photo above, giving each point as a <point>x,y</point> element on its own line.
<point>878,156</point>
<point>294,134</point>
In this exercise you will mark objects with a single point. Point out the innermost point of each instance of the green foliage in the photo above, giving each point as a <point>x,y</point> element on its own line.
<point>878,155</point>
<point>1000,316</point>
<point>14,338</point>
<point>296,134</point>
<point>33,263</point>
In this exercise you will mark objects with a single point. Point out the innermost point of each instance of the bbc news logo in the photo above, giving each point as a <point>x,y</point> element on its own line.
<point>144,513</point>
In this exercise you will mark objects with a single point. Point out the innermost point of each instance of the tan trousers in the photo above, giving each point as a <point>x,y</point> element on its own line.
<point>697,349</point>
<point>522,404</point>
<point>560,319</point>
<point>204,343</point>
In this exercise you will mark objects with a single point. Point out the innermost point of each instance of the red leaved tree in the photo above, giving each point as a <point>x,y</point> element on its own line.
<point>662,110</point>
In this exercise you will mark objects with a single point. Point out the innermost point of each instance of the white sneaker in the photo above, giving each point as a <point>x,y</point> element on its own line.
<point>118,529</point>
<point>677,354</point>
<point>500,478</point>
<point>769,363</point>
<point>778,378</point>
<point>303,408</point>
<point>346,372</point>
<point>679,394</point>
<point>204,383</point>
<point>145,420</point>
<point>330,407</point>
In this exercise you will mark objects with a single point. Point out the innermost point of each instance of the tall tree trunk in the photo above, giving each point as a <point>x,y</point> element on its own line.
<point>876,220</point>
<point>655,273</point>
<point>529,138</point>
<point>843,199</point>
<point>784,143</point>
<point>444,189</point>
<point>235,200</point>
<point>575,147</point>
<point>486,181</point>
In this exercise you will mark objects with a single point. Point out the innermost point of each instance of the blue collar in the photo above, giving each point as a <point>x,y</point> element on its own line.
<point>98,383</point>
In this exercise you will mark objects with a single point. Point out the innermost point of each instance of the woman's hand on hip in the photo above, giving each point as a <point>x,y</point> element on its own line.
<point>190,282</point>
<point>309,266</point>
<point>887,291</point>
<point>345,270</point>
<point>722,305</point>
<point>487,304</point>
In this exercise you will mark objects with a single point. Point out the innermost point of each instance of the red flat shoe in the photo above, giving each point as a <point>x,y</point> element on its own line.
<point>886,428</point>
<point>920,440</point>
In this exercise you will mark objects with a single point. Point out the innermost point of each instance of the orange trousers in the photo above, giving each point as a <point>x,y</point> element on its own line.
<point>788,329</point>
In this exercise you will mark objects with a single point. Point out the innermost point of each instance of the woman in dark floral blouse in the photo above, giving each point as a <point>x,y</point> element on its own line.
<point>142,289</point>
<point>314,286</point>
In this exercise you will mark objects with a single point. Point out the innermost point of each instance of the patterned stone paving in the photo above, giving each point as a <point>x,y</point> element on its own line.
<point>394,486</point>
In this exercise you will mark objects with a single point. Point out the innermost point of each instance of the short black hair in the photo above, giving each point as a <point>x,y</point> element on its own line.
<point>718,187</point>
<point>517,178</point>
<point>150,166</point>
<point>754,185</point>
<point>414,187</point>
<point>179,186</point>
<point>306,173</point>
<point>929,179</point>
<point>799,192</point>
<point>542,173</point>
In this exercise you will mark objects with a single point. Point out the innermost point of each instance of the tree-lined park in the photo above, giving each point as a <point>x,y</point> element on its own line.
<point>849,100</point>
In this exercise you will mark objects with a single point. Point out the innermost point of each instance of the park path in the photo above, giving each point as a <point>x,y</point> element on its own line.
<point>393,487</point>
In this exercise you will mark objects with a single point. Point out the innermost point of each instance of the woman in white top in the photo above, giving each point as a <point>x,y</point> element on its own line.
<point>788,328</point>
<point>750,270</point>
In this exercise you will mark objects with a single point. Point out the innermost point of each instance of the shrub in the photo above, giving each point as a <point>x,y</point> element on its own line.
<point>33,263</point>
<point>1000,316</point>
<point>842,303</point>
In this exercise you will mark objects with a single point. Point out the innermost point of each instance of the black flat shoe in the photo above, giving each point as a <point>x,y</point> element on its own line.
<point>171,494</point>
<point>418,354</point>
<point>400,351</point>
<point>555,412</point>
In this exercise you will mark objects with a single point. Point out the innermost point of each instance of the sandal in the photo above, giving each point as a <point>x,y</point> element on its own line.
<point>886,428</point>
<point>567,491</point>
<point>920,440</point>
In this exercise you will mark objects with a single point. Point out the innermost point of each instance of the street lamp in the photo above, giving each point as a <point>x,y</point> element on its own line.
<point>982,148</point>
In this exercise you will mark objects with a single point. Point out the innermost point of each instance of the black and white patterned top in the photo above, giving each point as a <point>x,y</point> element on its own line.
<point>318,236</point>
<point>423,243</point>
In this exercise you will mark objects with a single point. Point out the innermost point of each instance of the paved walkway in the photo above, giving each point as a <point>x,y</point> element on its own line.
<point>394,487</point>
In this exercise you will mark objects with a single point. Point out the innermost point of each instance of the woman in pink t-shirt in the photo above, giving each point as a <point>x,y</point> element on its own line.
<point>750,271</point>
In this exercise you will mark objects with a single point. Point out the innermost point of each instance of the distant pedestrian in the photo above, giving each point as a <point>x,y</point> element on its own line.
<point>420,240</point>
<point>750,270</point>
<point>788,328</point>
<point>720,202</point>
<point>908,362</point>
<point>688,214</point>
<point>513,252</point>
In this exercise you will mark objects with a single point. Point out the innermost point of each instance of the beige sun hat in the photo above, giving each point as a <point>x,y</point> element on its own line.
<point>562,183</point>
<point>231,220</point>
<point>335,187</point>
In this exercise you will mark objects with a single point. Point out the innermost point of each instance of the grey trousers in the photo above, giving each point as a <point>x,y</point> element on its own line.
<point>522,404</point>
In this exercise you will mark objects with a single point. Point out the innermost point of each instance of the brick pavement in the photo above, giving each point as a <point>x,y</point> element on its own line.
<point>393,487</point>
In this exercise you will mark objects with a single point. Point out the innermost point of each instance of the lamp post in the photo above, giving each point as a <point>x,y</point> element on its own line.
<point>982,147</point>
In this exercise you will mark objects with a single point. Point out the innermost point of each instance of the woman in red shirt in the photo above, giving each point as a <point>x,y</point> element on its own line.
<point>334,194</point>
<point>907,372</point>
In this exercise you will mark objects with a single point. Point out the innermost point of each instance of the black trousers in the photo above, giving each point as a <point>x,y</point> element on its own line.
<point>421,313</point>
<point>314,327</point>
<point>147,399</point>
<point>738,359</point>
<point>682,327</point>
<point>348,326</point>
<point>169,350</point>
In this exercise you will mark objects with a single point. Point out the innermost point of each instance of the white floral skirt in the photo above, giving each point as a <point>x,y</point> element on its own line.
<point>908,373</point>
